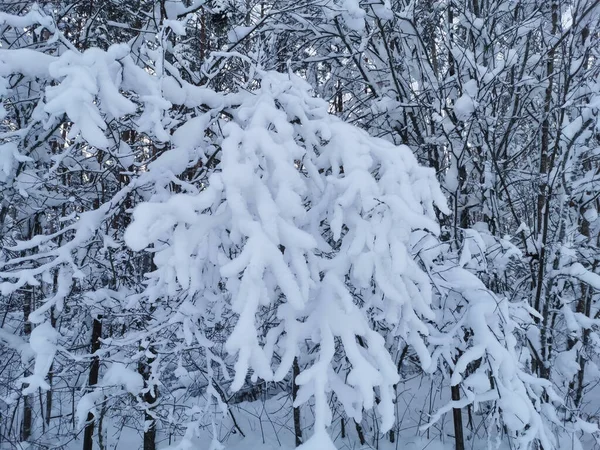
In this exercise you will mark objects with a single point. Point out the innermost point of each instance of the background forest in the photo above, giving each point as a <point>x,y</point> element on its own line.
<point>260,224</point>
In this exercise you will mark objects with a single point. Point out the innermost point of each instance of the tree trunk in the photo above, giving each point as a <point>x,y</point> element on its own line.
<point>149,396</point>
<point>297,424</point>
<point>458,424</point>
<point>361,434</point>
<point>88,435</point>
<point>50,372</point>
<point>150,431</point>
<point>543,207</point>
<point>26,424</point>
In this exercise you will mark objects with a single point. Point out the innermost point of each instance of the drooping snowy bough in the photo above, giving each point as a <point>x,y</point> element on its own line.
<point>310,218</point>
<point>303,229</point>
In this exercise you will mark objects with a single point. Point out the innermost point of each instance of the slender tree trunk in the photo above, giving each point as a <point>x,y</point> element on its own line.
<point>361,434</point>
<point>51,371</point>
<point>297,424</point>
<point>458,422</point>
<point>149,397</point>
<point>88,435</point>
<point>26,424</point>
<point>150,432</point>
<point>543,206</point>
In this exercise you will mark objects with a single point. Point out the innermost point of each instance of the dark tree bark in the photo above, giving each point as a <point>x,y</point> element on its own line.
<point>150,395</point>
<point>458,423</point>
<point>361,434</point>
<point>88,435</point>
<point>297,424</point>
<point>27,422</point>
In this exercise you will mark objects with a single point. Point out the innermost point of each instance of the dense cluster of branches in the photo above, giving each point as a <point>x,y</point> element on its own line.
<point>194,193</point>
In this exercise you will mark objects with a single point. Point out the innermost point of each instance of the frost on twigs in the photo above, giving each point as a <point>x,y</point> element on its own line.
<point>476,341</point>
<point>305,220</point>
